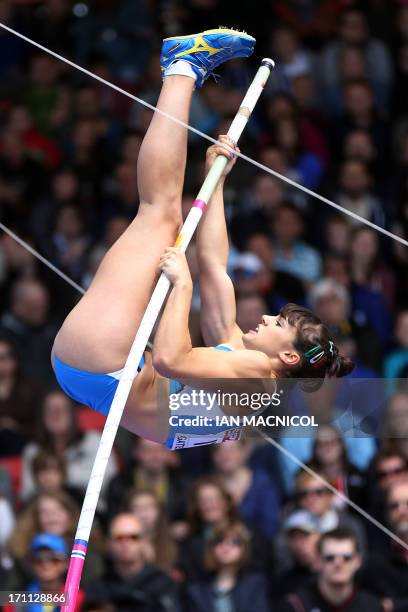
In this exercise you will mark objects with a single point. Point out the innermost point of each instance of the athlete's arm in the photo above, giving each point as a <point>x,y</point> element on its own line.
<point>172,336</point>
<point>173,354</point>
<point>218,308</point>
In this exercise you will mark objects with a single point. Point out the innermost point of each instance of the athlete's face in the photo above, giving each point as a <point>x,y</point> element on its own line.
<point>273,336</point>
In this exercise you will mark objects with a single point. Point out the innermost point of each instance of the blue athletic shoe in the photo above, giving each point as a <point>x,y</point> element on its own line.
<point>206,51</point>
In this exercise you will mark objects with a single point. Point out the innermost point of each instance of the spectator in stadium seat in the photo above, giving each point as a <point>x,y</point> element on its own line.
<point>360,112</point>
<point>296,553</point>
<point>64,190</point>
<point>385,572</point>
<point>397,360</point>
<point>292,58</point>
<point>395,430</point>
<point>27,324</point>
<point>124,199</point>
<point>336,587</point>
<point>292,254</point>
<point>359,144</point>
<point>13,50</point>
<point>49,474</point>
<point>337,268</point>
<point>229,583</point>
<point>330,459</point>
<point>355,192</point>
<point>69,241</point>
<point>332,303</point>
<point>44,95</point>
<point>38,145</point>
<point>54,513</point>
<point>353,30</point>
<point>337,234</point>
<point>283,286</point>
<point>48,562</point>
<point>373,284</point>
<point>150,467</point>
<point>299,107</point>
<point>367,265</point>
<point>250,308</point>
<point>305,166</point>
<point>351,65</point>
<point>387,468</point>
<point>261,197</point>
<point>58,433</point>
<point>19,402</point>
<point>253,490</point>
<point>88,105</point>
<point>210,506</point>
<point>312,495</point>
<point>22,178</point>
<point>132,582</point>
<point>147,508</point>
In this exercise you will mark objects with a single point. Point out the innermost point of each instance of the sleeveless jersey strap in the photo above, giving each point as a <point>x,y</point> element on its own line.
<point>223,347</point>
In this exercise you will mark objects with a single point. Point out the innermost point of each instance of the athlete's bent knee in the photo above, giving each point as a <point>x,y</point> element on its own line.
<point>167,211</point>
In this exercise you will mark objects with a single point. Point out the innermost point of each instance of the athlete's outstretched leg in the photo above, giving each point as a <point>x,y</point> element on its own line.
<point>98,333</point>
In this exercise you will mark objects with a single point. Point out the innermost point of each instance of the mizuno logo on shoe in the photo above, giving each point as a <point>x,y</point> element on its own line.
<point>199,45</point>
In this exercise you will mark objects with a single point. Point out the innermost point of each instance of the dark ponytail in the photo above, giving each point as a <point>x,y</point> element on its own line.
<point>341,366</point>
<point>319,356</point>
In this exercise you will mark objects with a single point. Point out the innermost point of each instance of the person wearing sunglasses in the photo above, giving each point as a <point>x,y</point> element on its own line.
<point>131,582</point>
<point>228,583</point>
<point>336,588</point>
<point>387,468</point>
<point>387,569</point>
<point>312,495</point>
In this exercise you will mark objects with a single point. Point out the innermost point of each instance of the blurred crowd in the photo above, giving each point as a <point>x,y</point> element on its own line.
<point>237,527</point>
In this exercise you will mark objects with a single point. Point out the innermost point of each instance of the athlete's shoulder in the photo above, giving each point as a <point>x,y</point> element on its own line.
<point>253,364</point>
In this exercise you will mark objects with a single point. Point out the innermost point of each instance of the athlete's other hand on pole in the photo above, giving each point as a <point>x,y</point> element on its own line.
<point>174,264</point>
<point>225,147</point>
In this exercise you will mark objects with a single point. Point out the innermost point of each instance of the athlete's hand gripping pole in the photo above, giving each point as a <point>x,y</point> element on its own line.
<point>143,333</point>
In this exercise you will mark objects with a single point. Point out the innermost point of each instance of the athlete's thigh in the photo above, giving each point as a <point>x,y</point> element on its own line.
<point>98,333</point>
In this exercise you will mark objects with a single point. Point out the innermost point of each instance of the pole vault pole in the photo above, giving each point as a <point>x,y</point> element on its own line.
<point>143,333</point>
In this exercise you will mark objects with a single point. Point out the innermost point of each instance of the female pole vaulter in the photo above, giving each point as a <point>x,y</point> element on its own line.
<point>94,340</point>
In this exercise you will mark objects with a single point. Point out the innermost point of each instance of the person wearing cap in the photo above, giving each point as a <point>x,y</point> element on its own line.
<point>300,539</point>
<point>48,562</point>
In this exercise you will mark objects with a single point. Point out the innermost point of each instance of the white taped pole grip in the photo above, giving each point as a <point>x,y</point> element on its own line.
<point>237,126</point>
